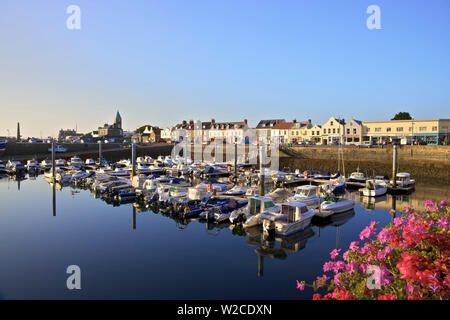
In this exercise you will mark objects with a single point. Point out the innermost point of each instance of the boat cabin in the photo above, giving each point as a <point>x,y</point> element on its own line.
<point>259,204</point>
<point>357,175</point>
<point>294,211</point>
<point>306,191</point>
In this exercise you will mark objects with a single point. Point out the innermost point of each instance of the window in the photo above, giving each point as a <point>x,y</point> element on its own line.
<point>324,131</point>
<point>423,129</point>
<point>296,133</point>
<point>334,130</point>
<point>354,131</point>
<point>318,132</point>
<point>331,123</point>
<point>338,130</point>
<point>377,129</point>
<point>367,129</point>
<point>348,131</point>
<point>388,129</point>
<point>399,129</point>
<point>410,129</point>
<point>434,128</point>
<point>329,130</point>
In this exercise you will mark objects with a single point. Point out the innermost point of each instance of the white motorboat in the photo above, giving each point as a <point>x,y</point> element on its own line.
<point>58,149</point>
<point>118,172</point>
<point>404,180</point>
<point>198,194</point>
<point>333,205</point>
<point>357,177</point>
<point>251,213</point>
<point>76,162</point>
<point>32,165</point>
<point>60,163</point>
<point>293,217</point>
<point>90,162</point>
<point>237,191</point>
<point>14,167</point>
<point>374,188</point>
<point>45,164</point>
<point>307,194</point>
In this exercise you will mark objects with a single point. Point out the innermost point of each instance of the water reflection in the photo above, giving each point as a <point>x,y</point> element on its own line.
<point>265,265</point>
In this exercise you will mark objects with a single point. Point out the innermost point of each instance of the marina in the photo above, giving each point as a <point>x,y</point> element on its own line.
<point>161,221</point>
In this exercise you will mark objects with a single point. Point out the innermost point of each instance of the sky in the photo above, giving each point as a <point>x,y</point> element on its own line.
<point>161,62</point>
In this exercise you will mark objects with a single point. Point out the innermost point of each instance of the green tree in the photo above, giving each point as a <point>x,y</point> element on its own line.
<point>402,116</point>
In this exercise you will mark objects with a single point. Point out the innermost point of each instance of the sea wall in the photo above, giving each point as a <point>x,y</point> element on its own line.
<point>427,164</point>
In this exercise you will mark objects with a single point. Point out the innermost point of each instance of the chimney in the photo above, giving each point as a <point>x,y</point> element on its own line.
<point>213,121</point>
<point>191,121</point>
<point>245,121</point>
<point>309,121</point>
<point>184,122</point>
<point>294,121</point>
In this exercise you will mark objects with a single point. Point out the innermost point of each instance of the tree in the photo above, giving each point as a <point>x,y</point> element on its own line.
<point>402,116</point>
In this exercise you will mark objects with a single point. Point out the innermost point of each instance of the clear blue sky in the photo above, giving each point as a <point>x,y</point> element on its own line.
<point>160,62</point>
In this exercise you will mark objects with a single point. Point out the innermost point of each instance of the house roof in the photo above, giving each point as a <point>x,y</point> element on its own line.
<point>268,123</point>
<point>283,125</point>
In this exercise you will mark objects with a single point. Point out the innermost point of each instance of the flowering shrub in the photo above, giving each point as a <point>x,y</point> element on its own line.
<point>408,259</point>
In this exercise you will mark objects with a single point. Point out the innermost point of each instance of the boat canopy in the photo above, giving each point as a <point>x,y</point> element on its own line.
<point>294,211</point>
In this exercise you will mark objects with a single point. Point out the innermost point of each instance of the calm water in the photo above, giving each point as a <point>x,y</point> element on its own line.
<point>151,256</point>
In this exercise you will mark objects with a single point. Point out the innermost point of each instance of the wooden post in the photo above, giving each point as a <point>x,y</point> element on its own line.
<point>100,157</point>
<point>261,169</point>
<point>133,160</point>
<point>134,217</point>
<point>53,160</point>
<point>394,167</point>
<point>260,265</point>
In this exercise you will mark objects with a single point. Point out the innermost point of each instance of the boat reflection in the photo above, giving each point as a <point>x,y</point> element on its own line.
<point>275,247</point>
<point>369,203</point>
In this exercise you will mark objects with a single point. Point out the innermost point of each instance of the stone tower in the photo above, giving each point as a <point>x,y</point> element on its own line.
<point>118,120</point>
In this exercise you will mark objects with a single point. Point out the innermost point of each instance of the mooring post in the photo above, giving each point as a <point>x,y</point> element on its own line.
<point>260,265</point>
<point>100,157</point>
<point>133,160</point>
<point>261,168</point>
<point>53,160</point>
<point>134,217</point>
<point>235,158</point>
<point>394,167</point>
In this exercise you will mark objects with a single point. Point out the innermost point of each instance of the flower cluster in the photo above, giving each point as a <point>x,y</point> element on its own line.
<point>408,259</point>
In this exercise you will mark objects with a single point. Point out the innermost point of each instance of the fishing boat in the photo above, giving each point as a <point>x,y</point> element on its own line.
<point>293,217</point>
<point>250,214</point>
<point>403,180</point>
<point>374,188</point>
<point>337,184</point>
<point>307,195</point>
<point>333,204</point>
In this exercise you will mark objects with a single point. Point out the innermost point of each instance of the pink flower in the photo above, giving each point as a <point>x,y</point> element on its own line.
<point>383,235</point>
<point>366,233</point>
<point>443,204</point>
<point>428,203</point>
<point>409,288</point>
<point>406,209</point>
<point>353,245</point>
<point>301,285</point>
<point>443,223</point>
<point>334,253</point>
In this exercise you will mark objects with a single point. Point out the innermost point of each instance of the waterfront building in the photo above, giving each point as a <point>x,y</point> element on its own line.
<point>430,132</point>
<point>353,132</point>
<point>332,131</point>
<point>68,134</point>
<point>280,132</point>
<point>166,134</point>
<point>112,133</point>
<point>264,129</point>
<point>298,131</point>
<point>228,131</point>
<point>314,134</point>
<point>150,134</point>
